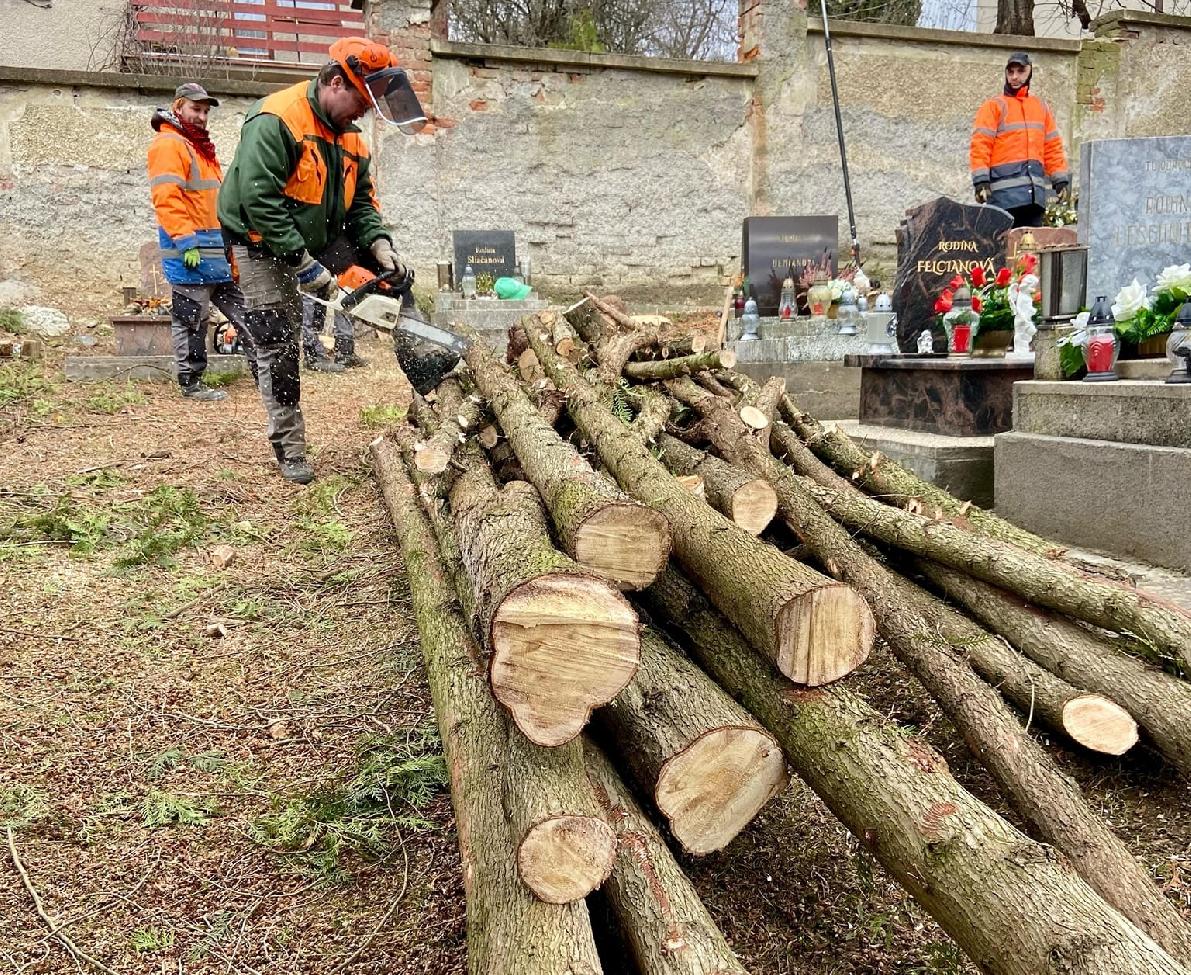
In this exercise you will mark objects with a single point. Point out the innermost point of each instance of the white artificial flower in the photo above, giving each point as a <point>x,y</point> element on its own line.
<point>837,289</point>
<point>1174,276</point>
<point>1081,320</point>
<point>1130,300</point>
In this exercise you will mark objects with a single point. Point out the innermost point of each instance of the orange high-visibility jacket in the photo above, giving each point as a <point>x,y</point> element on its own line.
<point>184,187</point>
<point>1016,148</point>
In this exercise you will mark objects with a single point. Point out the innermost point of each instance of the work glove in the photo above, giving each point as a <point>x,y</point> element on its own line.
<point>386,257</point>
<point>983,192</point>
<point>313,278</point>
<point>191,257</point>
<point>1064,192</point>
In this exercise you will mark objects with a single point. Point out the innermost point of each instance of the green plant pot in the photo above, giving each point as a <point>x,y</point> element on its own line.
<point>992,343</point>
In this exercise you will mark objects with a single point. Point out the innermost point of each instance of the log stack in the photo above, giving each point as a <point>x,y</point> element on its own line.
<point>629,664</point>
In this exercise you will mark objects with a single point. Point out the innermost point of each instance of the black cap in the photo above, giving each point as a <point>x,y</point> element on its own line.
<point>1019,57</point>
<point>195,92</point>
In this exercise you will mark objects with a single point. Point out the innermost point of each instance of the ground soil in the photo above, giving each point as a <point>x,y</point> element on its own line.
<point>178,735</point>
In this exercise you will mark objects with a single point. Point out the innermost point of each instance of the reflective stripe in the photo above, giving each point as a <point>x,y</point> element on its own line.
<point>1020,126</point>
<point>186,184</point>
<point>983,131</point>
<point>173,252</point>
<point>1008,184</point>
<point>1051,136</point>
<point>195,172</point>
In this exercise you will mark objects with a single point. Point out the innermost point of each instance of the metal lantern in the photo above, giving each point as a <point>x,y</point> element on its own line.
<point>1102,347</point>
<point>750,322</point>
<point>786,306</point>
<point>1178,346</point>
<point>848,313</point>
<point>467,283</point>
<point>1062,282</point>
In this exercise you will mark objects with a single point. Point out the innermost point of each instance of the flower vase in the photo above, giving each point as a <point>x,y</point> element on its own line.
<point>1154,347</point>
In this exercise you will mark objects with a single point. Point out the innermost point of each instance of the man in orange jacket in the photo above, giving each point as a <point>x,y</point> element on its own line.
<point>184,178</point>
<point>1016,154</point>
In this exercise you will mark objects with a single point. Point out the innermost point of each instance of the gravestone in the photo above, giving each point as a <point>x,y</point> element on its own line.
<point>487,251</point>
<point>936,241</point>
<point>152,279</point>
<point>773,247</point>
<point>1134,209</point>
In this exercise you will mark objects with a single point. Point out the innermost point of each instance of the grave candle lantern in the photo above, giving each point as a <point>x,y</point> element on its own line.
<point>1178,346</point>
<point>786,304</point>
<point>1102,348</point>
<point>960,321</point>
<point>848,314</point>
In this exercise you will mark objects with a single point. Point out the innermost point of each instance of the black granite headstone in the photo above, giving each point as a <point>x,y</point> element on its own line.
<point>487,251</point>
<point>935,242</point>
<point>774,247</point>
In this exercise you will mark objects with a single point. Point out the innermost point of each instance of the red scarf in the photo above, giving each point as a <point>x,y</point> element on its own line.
<point>197,137</point>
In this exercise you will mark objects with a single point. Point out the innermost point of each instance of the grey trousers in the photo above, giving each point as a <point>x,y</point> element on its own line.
<point>190,321</point>
<point>313,324</point>
<point>273,321</point>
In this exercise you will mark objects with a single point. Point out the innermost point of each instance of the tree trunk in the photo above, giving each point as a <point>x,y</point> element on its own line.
<point>893,484</point>
<point>916,633</point>
<point>812,630</point>
<point>653,410</point>
<point>749,501</point>
<point>566,343</point>
<point>458,413</point>
<point>1010,903</point>
<point>665,923</point>
<point>708,765</point>
<point>590,324</point>
<point>1160,703</point>
<point>1095,721</point>
<point>509,931</point>
<point>1015,17</point>
<point>654,369</point>
<point>564,847</point>
<point>562,641</point>
<point>597,524</point>
<point>1041,581</point>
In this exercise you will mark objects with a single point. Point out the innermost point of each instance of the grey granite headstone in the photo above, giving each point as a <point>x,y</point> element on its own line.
<point>774,247</point>
<point>1134,209</point>
<point>938,240</point>
<point>487,251</point>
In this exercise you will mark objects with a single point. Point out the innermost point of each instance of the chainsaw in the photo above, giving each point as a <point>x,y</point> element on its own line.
<point>425,352</point>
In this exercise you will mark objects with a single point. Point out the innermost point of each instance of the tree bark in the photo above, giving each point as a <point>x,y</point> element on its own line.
<point>509,931</point>
<point>562,641</point>
<point>665,923</point>
<point>709,767</point>
<point>651,370</point>
<point>749,501</point>
<point>1160,703</point>
<point>597,524</point>
<point>566,343</point>
<point>1041,581</point>
<point>458,413</point>
<point>917,634</point>
<point>1095,721</point>
<point>653,410</point>
<point>589,322</point>
<point>1015,17</point>
<point>1009,903</point>
<point>893,484</point>
<point>812,630</point>
<point>564,847</point>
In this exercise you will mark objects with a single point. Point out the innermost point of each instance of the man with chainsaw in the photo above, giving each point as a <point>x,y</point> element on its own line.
<point>298,206</point>
<point>184,179</point>
<point>1016,154</point>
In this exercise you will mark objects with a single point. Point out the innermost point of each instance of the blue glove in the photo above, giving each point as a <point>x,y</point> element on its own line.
<point>313,278</point>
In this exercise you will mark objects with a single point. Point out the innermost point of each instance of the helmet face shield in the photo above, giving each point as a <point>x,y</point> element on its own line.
<point>394,100</point>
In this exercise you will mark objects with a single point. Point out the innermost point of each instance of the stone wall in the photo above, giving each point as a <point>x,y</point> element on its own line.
<point>624,173</point>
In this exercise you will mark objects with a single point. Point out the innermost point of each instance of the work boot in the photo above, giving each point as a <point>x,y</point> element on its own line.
<point>323,364</point>
<point>202,392</point>
<point>351,361</point>
<point>295,469</point>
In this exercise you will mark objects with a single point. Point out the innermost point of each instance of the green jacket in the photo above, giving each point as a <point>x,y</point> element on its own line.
<point>296,182</point>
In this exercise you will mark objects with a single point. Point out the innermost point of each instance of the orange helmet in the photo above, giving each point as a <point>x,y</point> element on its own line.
<point>373,71</point>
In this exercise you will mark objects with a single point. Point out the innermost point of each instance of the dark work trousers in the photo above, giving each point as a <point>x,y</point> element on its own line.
<point>273,321</point>
<point>189,325</point>
<point>1027,216</point>
<point>314,323</point>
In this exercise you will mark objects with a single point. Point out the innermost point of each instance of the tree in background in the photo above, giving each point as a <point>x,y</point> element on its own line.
<point>903,12</point>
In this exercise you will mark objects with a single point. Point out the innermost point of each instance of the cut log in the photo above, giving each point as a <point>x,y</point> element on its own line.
<point>613,309</point>
<point>598,525</point>
<point>1160,703</point>
<point>508,929</point>
<point>708,765</point>
<point>528,368</point>
<point>674,343</point>
<point>893,484</point>
<point>1050,800</point>
<point>655,369</point>
<point>754,418</point>
<point>814,631</point>
<point>1093,720</point>
<point>653,410</point>
<point>692,484</point>
<point>566,343</point>
<point>562,641</point>
<point>489,436</point>
<point>458,413</point>
<point>749,501</point>
<point>1042,581</point>
<point>588,322</point>
<point>665,923</point>
<point>1007,901</point>
<point>565,848</point>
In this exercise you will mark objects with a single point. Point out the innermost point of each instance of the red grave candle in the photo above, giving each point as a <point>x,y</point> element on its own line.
<point>961,337</point>
<point>1100,353</point>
